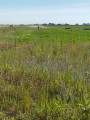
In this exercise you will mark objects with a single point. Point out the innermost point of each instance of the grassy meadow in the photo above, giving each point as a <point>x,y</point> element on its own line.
<point>45,73</point>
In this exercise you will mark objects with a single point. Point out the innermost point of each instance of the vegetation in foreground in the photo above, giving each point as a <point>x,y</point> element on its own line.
<point>44,74</point>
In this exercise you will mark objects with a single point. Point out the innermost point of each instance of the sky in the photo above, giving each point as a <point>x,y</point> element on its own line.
<point>44,11</point>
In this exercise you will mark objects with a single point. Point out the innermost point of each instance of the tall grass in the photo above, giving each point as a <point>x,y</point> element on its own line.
<point>44,74</point>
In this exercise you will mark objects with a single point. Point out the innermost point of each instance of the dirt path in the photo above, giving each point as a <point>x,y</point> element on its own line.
<point>34,26</point>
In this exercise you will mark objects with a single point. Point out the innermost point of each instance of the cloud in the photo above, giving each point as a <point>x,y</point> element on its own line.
<point>46,12</point>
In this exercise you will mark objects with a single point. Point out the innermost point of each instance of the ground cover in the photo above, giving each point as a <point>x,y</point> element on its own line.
<point>44,73</point>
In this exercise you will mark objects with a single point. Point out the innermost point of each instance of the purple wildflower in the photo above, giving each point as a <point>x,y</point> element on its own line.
<point>48,116</point>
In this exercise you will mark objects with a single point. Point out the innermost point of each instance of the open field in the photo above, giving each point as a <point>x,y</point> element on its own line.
<point>45,73</point>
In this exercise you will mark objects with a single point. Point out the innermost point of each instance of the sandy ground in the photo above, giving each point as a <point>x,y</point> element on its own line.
<point>33,26</point>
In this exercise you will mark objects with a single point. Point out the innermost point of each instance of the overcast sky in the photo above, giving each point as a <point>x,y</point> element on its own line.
<point>44,11</point>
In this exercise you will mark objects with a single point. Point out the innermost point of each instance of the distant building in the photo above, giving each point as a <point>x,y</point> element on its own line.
<point>0,27</point>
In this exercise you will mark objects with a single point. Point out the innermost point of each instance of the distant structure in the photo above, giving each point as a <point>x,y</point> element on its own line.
<point>0,27</point>
<point>11,26</point>
<point>67,28</point>
<point>86,29</point>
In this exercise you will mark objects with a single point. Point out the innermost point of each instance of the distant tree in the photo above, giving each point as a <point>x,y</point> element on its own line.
<point>76,24</point>
<point>51,24</point>
<point>63,24</point>
<point>22,25</point>
<point>58,24</point>
<point>29,24</point>
<point>66,24</point>
<point>84,24</point>
<point>88,24</point>
<point>44,24</point>
<point>11,25</point>
<point>36,24</point>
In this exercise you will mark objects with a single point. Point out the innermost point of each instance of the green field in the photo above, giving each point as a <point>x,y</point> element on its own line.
<point>45,73</point>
